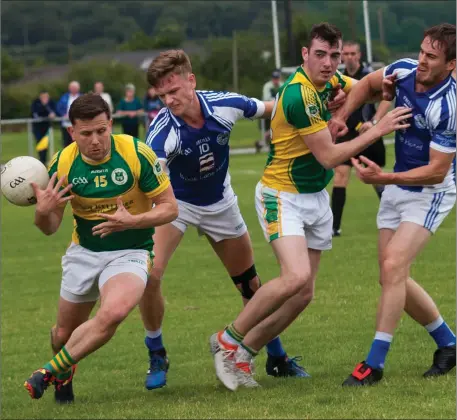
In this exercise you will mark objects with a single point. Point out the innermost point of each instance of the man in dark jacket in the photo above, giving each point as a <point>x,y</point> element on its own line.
<point>42,107</point>
<point>358,122</point>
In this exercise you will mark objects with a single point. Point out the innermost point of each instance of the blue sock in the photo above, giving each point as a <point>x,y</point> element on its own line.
<point>153,340</point>
<point>274,348</point>
<point>379,350</point>
<point>441,333</point>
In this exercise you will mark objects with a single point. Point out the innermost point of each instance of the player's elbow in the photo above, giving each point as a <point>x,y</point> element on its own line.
<point>173,211</point>
<point>328,161</point>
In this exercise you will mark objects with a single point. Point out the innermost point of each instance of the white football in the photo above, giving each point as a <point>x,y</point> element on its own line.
<point>16,176</point>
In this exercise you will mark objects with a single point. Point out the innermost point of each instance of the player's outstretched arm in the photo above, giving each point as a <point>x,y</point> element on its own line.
<point>431,174</point>
<point>269,105</point>
<point>50,206</point>
<point>330,155</point>
<point>368,89</point>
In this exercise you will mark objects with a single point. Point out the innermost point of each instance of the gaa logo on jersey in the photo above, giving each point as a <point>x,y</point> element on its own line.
<point>223,138</point>
<point>420,121</point>
<point>312,110</point>
<point>119,176</point>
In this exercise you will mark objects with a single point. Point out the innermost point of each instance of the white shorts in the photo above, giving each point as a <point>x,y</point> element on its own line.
<point>425,209</point>
<point>287,214</point>
<point>85,271</point>
<point>225,223</point>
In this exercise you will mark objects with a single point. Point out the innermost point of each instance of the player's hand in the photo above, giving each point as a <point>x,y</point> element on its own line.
<point>369,174</point>
<point>394,120</point>
<point>337,128</point>
<point>117,222</point>
<point>337,98</point>
<point>388,87</point>
<point>52,196</point>
<point>365,127</point>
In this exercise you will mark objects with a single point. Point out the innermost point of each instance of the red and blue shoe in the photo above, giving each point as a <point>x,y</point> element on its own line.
<point>38,383</point>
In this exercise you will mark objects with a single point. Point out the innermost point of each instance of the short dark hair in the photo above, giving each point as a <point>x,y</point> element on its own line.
<point>326,32</point>
<point>171,61</point>
<point>444,35</point>
<point>351,42</point>
<point>87,107</point>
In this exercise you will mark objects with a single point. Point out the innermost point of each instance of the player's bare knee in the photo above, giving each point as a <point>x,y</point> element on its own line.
<point>154,282</point>
<point>247,282</point>
<point>110,318</point>
<point>392,266</point>
<point>59,337</point>
<point>296,281</point>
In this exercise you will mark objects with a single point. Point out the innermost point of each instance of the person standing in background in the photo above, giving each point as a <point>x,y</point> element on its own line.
<point>130,107</point>
<point>269,91</point>
<point>62,108</point>
<point>99,89</point>
<point>152,105</point>
<point>358,122</point>
<point>42,107</point>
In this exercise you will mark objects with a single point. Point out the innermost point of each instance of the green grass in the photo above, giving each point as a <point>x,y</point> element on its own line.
<point>333,334</point>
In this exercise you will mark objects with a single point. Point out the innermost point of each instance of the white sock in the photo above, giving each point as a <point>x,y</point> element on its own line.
<point>435,324</point>
<point>154,334</point>
<point>229,339</point>
<point>382,336</point>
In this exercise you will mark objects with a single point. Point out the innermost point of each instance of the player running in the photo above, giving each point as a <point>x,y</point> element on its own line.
<point>191,139</point>
<point>292,203</point>
<point>113,181</point>
<point>420,193</point>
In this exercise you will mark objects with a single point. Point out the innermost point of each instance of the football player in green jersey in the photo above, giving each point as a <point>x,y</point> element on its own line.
<point>111,183</point>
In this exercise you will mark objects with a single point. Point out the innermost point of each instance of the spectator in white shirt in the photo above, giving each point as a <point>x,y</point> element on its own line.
<point>99,88</point>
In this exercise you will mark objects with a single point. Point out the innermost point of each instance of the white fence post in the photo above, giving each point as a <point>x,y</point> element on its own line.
<point>51,142</point>
<point>30,138</point>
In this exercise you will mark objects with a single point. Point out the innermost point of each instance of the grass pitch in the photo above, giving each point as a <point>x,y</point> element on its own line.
<point>332,335</point>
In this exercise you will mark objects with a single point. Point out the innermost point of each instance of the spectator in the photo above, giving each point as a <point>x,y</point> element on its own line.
<point>42,107</point>
<point>99,88</point>
<point>130,107</point>
<point>269,91</point>
<point>152,104</point>
<point>63,106</point>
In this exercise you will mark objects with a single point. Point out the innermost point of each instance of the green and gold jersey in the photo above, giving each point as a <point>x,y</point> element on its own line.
<point>131,170</point>
<point>300,110</point>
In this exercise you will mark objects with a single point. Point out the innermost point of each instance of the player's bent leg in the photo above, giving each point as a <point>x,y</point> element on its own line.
<point>395,259</point>
<point>70,315</point>
<point>340,182</point>
<point>277,322</point>
<point>120,293</point>
<point>237,256</point>
<point>152,307</point>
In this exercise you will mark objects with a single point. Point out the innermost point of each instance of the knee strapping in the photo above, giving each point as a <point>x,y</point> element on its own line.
<point>244,280</point>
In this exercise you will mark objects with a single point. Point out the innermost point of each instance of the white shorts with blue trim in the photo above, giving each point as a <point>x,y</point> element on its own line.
<point>426,209</point>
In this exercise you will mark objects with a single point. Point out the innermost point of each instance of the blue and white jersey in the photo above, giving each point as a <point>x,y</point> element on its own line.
<point>433,125</point>
<point>198,158</point>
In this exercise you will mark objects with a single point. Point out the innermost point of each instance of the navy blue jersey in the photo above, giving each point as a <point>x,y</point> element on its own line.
<point>433,124</point>
<point>198,159</point>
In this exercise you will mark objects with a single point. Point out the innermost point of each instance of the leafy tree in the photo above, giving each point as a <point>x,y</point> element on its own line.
<point>11,69</point>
